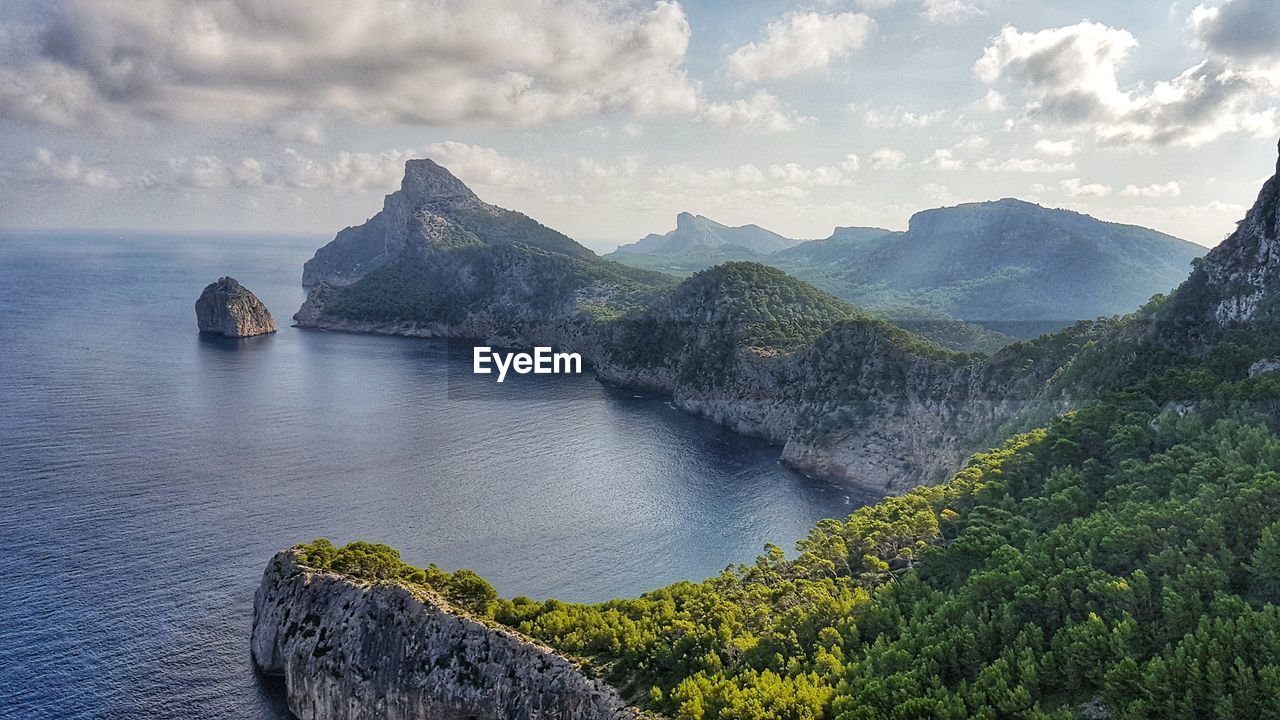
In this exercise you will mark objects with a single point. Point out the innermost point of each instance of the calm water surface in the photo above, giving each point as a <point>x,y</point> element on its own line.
<point>147,474</point>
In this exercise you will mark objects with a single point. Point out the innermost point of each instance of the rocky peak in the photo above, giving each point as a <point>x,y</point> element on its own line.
<point>1243,268</point>
<point>228,308</point>
<point>686,221</point>
<point>425,183</point>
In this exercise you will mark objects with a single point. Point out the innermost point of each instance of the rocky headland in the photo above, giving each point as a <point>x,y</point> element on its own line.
<point>228,308</point>
<point>351,649</point>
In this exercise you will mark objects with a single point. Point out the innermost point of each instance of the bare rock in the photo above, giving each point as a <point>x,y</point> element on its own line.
<point>228,308</point>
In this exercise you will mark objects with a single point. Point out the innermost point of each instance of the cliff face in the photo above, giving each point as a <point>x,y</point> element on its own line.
<point>353,651</point>
<point>1239,275</point>
<point>228,308</point>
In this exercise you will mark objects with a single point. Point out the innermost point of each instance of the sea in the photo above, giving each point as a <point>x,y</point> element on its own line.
<point>148,473</point>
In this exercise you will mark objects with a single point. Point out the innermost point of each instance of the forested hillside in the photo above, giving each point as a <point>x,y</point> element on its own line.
<point>1122,561</point>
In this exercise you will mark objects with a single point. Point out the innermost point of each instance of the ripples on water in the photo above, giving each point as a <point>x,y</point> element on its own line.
<point>148,474</point>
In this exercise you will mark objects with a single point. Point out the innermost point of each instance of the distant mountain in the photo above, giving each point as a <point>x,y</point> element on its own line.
<point>698,235</point>
<point>1010,265</point>
<point>842,242</point>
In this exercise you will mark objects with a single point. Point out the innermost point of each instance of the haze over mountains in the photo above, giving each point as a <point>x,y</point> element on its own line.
<point>1009,265</point>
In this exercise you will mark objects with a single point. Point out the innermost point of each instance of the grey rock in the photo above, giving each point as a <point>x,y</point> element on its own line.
<point>228,308</point>
<point>1265,366</point>
<point>352,650</point>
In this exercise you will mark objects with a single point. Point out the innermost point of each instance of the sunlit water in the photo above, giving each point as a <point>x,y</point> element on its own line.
<point>148,474</point>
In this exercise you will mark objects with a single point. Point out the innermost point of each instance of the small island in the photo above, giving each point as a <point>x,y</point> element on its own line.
<point>228,308</point>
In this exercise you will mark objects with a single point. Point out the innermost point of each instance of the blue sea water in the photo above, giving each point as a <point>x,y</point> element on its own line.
<point>147,474</point>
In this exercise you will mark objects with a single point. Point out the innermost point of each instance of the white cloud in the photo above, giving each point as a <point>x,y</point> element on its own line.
<point>954,11</point>
<point>1069,75</point>
<point>942,159</point>
<point>1056,148</point>
<point>1075,188</point>
<point>898,117</point>
<point>344,172</point>
<point>887,158</point>
<point>1157,190</point>
<point>1024,165</point>
<point>761,113</point>
<point>1067,72</point>
<point>780,179</point>
<point>800,42</point>
<point>938,193</point>
<point>991,102</point>
<point>417,61</point>
<point>478,165</point>
<point>822,176</point>
<point>70,170</point>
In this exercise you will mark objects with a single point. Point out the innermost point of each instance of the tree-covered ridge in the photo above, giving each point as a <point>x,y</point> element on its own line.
<point>381,563</point>
<point>1130,552</point>
<point>758,306</point>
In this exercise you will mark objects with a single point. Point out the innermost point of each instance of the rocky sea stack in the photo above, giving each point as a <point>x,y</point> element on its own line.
<point>228,308</point>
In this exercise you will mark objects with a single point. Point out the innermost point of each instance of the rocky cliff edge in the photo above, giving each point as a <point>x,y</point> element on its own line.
<point>356,650</point>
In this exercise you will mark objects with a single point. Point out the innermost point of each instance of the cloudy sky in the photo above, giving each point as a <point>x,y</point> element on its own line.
<point>604,119</point>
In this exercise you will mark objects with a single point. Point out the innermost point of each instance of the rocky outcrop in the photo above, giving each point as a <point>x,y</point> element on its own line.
<point>353,650</point>
<point>228,308</point>
<point>1243,271</point>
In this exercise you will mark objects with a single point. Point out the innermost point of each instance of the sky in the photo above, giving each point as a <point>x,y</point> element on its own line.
<point>604,119</point>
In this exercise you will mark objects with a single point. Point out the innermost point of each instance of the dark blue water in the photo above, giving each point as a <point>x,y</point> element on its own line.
<point>147,475</point>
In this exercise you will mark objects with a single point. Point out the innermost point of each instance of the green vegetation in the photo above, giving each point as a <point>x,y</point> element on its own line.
<point>1129,552</point>
<point>380,563</point>
<point>453,282</point>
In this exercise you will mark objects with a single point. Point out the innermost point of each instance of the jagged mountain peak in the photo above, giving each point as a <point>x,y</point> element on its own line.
<point>427,181</point>
<point>433,209</point>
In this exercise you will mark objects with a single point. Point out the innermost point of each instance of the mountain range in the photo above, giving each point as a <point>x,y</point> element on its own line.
<point>1008,265</point>
<point>846,393</point>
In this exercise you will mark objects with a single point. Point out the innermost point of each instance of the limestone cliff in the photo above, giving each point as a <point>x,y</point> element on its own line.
<point>351,650</point>
<point>228,308</point>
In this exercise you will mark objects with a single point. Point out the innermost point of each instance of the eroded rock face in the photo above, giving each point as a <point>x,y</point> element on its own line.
<point>351,650</point>
<point>228,308</point>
